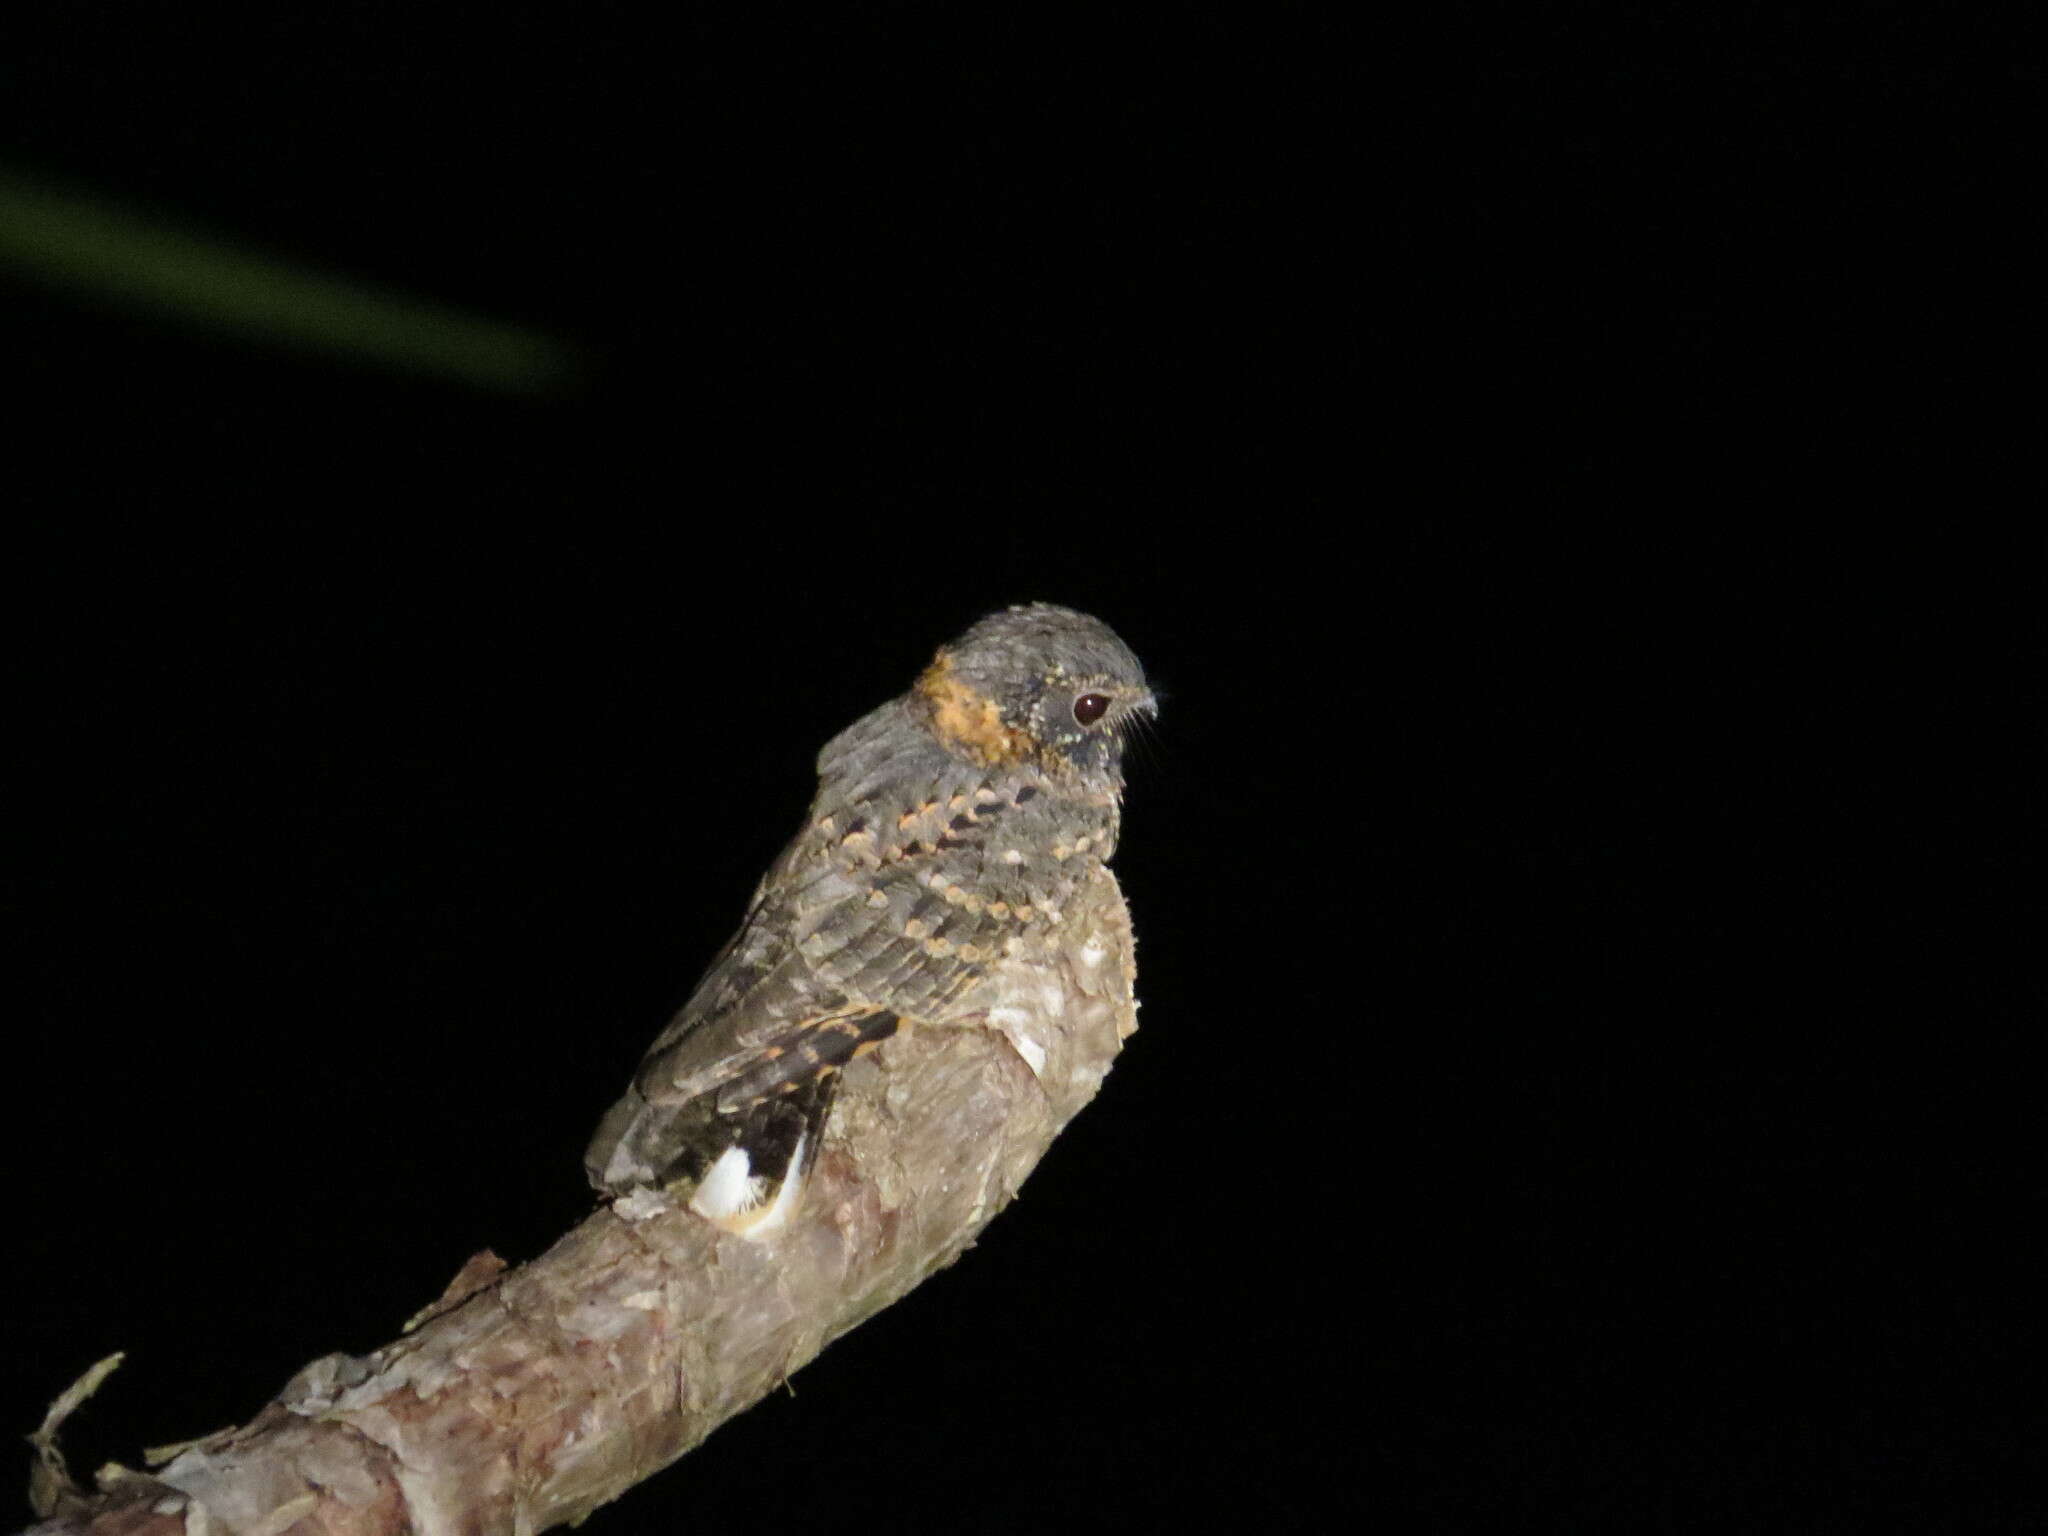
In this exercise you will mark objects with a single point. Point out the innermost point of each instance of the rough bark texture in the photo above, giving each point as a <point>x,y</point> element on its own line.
<point>558,1385</point>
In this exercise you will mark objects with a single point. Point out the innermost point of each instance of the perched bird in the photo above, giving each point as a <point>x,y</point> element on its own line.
<point>929,888</point>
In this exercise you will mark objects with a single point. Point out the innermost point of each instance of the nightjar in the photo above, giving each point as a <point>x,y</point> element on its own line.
<point>953,830</point>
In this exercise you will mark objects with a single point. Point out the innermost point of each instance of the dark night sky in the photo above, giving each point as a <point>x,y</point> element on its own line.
<point>1582,873</point>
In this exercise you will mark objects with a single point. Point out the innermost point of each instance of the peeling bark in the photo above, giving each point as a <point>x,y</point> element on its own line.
<point>533,1396</point>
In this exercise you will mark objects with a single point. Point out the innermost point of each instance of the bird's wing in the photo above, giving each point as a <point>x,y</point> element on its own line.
<point>734,1094</point>
<point>855,932</point>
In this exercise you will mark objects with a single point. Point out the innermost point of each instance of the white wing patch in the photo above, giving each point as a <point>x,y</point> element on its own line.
<point>730,1196</point>
<point>727,1187</point>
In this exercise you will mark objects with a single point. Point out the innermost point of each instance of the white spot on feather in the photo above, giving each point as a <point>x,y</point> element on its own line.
<point>727,1187</point>
<point>731,1196</point>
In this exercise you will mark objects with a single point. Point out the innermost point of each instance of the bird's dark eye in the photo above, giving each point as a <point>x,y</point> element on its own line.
<point>1091,707</point>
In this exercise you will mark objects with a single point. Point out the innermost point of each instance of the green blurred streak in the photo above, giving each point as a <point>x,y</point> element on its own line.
<point>76,241</point>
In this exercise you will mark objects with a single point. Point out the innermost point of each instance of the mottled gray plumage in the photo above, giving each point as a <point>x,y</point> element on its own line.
<point>929,887</point>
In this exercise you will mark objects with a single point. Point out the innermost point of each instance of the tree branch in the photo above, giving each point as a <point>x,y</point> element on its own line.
<point>550,1389</point>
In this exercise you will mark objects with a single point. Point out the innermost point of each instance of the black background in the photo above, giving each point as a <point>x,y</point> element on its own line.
<point>1585,1072</point>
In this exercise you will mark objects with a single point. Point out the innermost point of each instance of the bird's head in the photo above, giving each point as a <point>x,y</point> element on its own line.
<point>1043,684</point>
